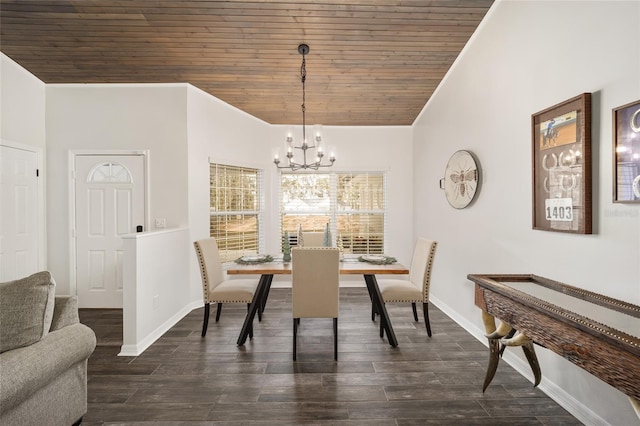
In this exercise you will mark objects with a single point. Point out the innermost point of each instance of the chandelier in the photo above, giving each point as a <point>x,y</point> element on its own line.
<point>317,163</point>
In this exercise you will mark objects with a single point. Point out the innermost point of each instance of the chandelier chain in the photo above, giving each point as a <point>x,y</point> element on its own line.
<point>314,144</point>
<point>303,79</point>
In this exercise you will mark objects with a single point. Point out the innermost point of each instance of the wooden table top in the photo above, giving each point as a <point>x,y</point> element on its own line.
<point>348,266</point>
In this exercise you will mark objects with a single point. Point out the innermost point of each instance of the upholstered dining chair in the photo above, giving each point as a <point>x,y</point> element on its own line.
<point>315,288</point>
<point>216,289</point>
<point>312,239</point>
<point>416,288</point>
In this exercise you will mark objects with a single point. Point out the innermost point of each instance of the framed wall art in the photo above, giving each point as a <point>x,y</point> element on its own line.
<point>561,142</point>
<point>626,153</point>
<point>461,179</point>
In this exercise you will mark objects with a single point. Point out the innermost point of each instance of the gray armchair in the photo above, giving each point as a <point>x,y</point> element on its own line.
<point>43,364</point>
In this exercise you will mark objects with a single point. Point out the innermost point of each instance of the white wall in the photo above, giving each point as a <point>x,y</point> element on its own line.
<point>97,117</point>
<point>226,135</point>
<point>155,291</point>
<point>525,57</point>
<point>22,125</point>
<point>361,148</point>
<point>22,105</point>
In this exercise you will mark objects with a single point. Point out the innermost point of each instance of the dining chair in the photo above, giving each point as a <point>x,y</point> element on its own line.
<point>416,288</point>
<point>215,288</point>
<point>315,288</point>
<point>312,239</point>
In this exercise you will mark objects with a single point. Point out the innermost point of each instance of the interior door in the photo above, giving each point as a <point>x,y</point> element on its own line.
<point>109,203</point>
<point>19,209</point>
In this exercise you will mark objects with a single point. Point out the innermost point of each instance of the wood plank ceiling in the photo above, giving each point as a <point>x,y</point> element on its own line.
<point>371,62</point>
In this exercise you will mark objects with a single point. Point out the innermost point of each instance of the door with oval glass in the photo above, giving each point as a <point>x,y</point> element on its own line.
<point>109,203</point>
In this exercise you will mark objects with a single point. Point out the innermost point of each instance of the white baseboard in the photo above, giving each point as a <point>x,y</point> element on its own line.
<point>139,347</point>
<point>553,391</point>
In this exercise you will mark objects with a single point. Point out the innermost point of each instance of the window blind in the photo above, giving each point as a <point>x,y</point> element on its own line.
<point>352,203</point>
<point>235,210</point>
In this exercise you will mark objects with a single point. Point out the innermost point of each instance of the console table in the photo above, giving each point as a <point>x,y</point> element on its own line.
<point>598,333</point>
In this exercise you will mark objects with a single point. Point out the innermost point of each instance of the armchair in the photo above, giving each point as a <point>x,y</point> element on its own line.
<point>416,288</point>
<point>214,288</point>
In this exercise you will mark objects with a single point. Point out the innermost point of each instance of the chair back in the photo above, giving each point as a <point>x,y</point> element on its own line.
<point>210,265</point>
<point>312,239</point>
<point>315,282</point>
<point>421,265</point>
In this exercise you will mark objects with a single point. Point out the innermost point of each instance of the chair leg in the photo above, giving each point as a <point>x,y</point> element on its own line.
<point>251,325</point>
<point>296,321</point>
<point>205,323</point>
<point>335,339</point>
<point>415,313</point>
<point>425,309</point>
<point>218,312</point>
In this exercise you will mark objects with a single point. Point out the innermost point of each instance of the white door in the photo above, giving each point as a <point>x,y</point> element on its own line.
<point>19,211</point>
<point>109,203</point>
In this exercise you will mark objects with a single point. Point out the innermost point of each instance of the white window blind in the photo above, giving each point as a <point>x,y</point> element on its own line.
<point>235,210</point>
<point>360,212</point>
<point>353,204</point>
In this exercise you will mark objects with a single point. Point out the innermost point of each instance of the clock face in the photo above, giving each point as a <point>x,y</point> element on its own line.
<point>461,179</point>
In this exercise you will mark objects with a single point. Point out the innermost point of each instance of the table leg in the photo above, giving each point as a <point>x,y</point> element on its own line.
<point>378,303</point>
<point>494,358</point>
<point>266,294</point>
<point>504,336</point>
<point>256,304</point>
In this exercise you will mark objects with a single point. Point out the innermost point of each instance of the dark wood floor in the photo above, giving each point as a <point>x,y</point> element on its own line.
<point>183,379</point>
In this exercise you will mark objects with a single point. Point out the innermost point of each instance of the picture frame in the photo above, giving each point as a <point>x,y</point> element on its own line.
<point>561,145</point>
<point>626,153</point>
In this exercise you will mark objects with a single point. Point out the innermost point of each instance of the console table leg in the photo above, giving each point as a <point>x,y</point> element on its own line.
<point>502,336</point>
<point>494,358</point>
<point>494,348</point>
<point>533,362</point>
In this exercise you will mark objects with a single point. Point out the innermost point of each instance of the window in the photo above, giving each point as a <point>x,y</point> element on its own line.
<point>235,210</point>
<point>109,173</point>
<point>352,203</point>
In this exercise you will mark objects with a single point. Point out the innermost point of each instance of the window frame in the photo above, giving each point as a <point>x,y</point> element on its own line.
<point>227,255</point>
<point>334,212</point>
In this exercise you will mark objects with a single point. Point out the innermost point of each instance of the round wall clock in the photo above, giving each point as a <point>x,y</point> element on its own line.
<point>461,178</point>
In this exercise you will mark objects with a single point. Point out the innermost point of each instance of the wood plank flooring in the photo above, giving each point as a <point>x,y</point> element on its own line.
<point>183,379</point>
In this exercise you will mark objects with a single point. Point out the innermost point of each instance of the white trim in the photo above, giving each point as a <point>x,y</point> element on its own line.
<point>41,232</point>
<point>138,348</point>
<point>115,85</point>
<point>553,391</point>
<point>72,154</point>
<point>236,163</point>
<point>262,190</point>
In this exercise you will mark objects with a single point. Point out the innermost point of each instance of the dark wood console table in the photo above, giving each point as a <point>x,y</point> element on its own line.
<point>598,333</point>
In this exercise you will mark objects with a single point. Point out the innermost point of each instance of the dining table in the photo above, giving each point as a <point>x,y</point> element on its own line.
<point>349,265</point>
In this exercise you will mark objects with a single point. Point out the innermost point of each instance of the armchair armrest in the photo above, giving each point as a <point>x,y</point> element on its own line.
<point>65,312</point>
